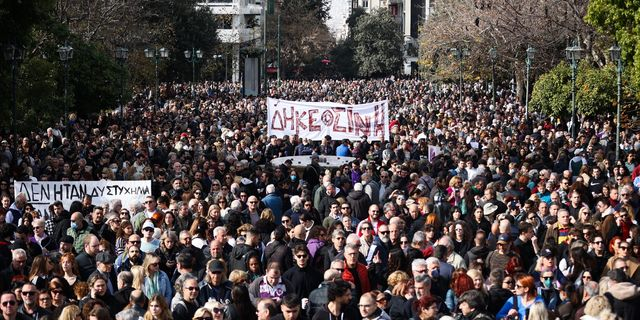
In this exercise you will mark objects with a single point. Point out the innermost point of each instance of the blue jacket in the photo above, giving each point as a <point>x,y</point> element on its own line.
<point>274,202</point>
<point>160,285</point>
<point>522,310</point>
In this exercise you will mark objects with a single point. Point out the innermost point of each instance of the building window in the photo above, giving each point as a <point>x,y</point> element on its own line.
<point>365,3</point>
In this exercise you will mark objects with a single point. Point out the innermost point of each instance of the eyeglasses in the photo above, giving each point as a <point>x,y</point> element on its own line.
<point>252,202</point>
<point>597,242</point>
<point>286,220</point>
<point>301,256</point>
<point>345,208</point>
<point>192,288</point>
<point>28,293</point>
<point>134,242</point>
<point>365,228</point>
<point>384,232</point>
<point>56,291</point>
<point>148,229</point>
<point>45,299</point>
<point>9,303</point>
<point>215,310</point>
<point>404,242</point>
<point>547,278</point>
<point>624,248</point>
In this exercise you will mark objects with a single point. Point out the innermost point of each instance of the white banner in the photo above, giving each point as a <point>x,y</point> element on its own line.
<point>43,193</point>
<point>314,120</point>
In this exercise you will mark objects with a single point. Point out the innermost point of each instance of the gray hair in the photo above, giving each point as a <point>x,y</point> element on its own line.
<point>336,233</point>
<point>419,237</point>
<point>126,277</point>
<point>236,205</point>
<point>417,263</point>
<point>432,260</point>
<point>352,239</point>
<point>219,229</point>
<point>128,314</point>
<point>18,253</point>
<point>182,279</point>
<point>270,189</point>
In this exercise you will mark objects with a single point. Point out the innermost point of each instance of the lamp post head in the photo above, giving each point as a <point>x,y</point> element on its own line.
<point>531,53</point>
<point>614,51</point>
<point>187,54</point>
<point>122,54</point>
<point>199,54</point>
<point>573,53</point>
<point>164,53</point>
<point>149,53</point>
<point>13,53</point>
<point>493,54</point>
<point>65,52</point>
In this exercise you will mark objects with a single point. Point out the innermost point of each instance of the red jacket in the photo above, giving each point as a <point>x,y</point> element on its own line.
<point>363,275</point>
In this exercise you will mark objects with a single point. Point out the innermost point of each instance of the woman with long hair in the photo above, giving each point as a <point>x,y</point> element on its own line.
<point>158,309</point>
<point>462,237</point>
<point>138,277</point>
<point>169,222</point>
<point>156,281</point>
<point>122,236</point>
<point>460,283</point>
<point>168,251</point>
<point>40,273</point>
<point>240,306</point>
<point>524,298</point>
<point>71,312</point>
<point>266,224</point>
<point>70,269</point>
<point>198,231</point>
<point>214,218</point>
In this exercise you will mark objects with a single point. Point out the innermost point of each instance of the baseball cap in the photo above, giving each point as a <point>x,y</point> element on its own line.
<point>148,224</point>
<point>216,266</point>
<point>504,238</point>
<point>546,252</point>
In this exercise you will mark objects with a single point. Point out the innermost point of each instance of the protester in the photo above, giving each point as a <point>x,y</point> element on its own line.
<point>473,186</point>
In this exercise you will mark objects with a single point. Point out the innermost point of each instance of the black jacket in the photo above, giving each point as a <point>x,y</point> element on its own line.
<point>359,202</point>
<point>303,280</point>
<point>87,265</point>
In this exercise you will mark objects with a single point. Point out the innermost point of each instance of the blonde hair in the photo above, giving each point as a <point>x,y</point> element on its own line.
<point>238,277</point>
<point>538,312</point>
<point>267,214</point>
<point>138,277</point>
<point>70,312</point>
<point>596,305</point>
<point>397,277</point>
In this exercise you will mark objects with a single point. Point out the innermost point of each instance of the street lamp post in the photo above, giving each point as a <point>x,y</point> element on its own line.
<point>573,54</point>
<point>156,54</point>
<point>531,52</point>
<point>122,54</point>
<point>493,54</point>
<point>615,57</point>
<point>194,57</point>
<point>460,54</point>
<point>66,54</point>
<point>14,55</point>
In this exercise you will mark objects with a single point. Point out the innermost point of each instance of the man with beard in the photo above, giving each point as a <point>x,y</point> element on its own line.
<point>132,256</point>
<point>87,258</point>
<point>96,221</point>
<point>57,227</point>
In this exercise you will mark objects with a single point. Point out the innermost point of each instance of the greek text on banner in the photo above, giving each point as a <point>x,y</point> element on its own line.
<point>315,120</point>
<point>43,193</point>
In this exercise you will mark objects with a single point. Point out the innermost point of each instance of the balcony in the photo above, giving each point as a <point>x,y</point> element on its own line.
<point>235,7</point>
<point>238,35</point>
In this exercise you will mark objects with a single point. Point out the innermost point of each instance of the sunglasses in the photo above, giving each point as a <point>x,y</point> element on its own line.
<point>192,288</point>
<point>301,256</point>
<point>404,242</point>
<point>286,220</point>
<point>9,303</point>
<point>134,242</point>
<point>216,310</point>
<point>384,232</point>
<point>28,293</point>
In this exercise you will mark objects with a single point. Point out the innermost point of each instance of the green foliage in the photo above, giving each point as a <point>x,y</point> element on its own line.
<point>619,19</point>
<point>40,101</point>
<point>378,44</point>
<point>343,57</point>
<point>595,90</point>
<point>552,91</point>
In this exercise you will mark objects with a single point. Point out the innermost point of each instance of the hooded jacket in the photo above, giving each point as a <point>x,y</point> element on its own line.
<point>359,202</point>
<point>625,300</point>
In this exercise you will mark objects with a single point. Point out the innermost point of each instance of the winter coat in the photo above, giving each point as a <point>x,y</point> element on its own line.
<point>302,280</point>
<point>625,300</point>
<point>359,202</point>
<point>278,251</point>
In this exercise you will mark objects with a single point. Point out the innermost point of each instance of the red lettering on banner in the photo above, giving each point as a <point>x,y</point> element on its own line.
<point>276,121</point>
<point>378,122</point>
<point>299,122</point>
<point>350,120</point>
<point>362,125</point>
<point>336,122</point>
<point>288,120</point>
<point>312,120</point>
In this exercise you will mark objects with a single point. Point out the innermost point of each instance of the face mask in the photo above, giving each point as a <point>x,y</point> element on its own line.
<point>114,170</point>
<point>547,283</point>
<point>74,225</point>
<point>293,178</point>
<point>435,273</point>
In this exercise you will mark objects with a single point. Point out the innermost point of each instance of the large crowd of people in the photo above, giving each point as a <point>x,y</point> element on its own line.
<point>513,219</point>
